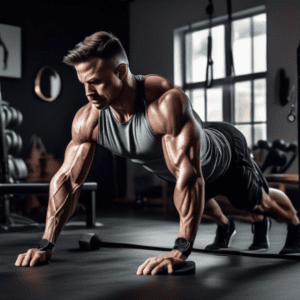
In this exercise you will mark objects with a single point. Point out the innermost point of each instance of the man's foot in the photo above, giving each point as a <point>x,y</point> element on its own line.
<point>223,237</point>
<point>292,243</point>
<point>260,237</point>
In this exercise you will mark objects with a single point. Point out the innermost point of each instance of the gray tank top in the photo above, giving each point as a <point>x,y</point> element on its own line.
<point>136,140</point>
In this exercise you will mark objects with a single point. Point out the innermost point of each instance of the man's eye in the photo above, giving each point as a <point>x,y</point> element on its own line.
<point>93,82</point>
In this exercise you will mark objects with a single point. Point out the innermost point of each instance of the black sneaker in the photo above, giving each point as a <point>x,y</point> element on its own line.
<point>260,237</point>
<point>292,243</point>
<point>223,237</point>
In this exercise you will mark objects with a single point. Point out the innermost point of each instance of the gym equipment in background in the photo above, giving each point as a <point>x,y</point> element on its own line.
<point>209,77</point>
<point>13,168</point>
<point>284,86</point>
<point>298,108</point>
<point>292,97</point>
<point>280,155</point>
<point>43,188</point>
<point>47,84</point>
<point>16,168</point>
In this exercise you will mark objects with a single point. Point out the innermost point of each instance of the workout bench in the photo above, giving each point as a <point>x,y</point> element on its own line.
<point>282,180</point>
<point>43,188</point>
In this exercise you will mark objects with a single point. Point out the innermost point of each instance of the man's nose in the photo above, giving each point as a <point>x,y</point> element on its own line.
<point>89,90</point>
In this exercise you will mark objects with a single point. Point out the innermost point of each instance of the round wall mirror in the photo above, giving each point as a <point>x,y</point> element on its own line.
<point>47,85</point>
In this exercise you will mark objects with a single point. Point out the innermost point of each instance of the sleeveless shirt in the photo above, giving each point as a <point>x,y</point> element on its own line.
<point>136,140</point>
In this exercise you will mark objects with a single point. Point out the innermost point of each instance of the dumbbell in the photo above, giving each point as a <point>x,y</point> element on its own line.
<point>90,241</point>
<point>262,145</point>
<point>14,142</point>
<point>17,168</point>
<point>284,146</point>
<point>13,117</point>
<point>6,115</point>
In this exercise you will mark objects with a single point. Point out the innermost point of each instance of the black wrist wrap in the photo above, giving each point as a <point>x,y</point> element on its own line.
<point>45,244</point>
<point>184,246</point>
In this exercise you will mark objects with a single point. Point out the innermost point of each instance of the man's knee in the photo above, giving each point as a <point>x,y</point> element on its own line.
<point>258,209</point>
<point>264,205</point>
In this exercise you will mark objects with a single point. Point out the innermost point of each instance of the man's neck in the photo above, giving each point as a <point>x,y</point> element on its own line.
<point>124,107</point>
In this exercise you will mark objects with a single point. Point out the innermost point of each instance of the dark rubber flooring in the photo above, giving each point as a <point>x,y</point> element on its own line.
<point>110,273</point>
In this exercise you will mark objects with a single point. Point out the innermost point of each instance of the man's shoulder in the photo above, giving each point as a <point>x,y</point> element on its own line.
<point>159,90</point>
<point>157,81</point>
<point>84,123</point>
<point>156,86</point>
<point>167,104</point>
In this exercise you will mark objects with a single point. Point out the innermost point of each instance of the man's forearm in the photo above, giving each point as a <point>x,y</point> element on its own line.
<point>189,201</point>
<point>63,200</point>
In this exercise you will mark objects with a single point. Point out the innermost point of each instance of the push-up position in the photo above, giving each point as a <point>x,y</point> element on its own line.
<point>150,121</point>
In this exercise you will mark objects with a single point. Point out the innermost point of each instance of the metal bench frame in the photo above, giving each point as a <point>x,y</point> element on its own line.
<point>43,188</point>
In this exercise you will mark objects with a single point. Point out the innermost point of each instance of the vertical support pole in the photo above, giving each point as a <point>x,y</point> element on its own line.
<point>4,175</point>
<point>3,146</point>
<point>91,211</point>
<point>298,108</point>
<point>7,220</point>
<point>115,175</point>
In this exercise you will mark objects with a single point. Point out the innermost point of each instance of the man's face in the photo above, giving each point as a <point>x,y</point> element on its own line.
<point>101,82</point>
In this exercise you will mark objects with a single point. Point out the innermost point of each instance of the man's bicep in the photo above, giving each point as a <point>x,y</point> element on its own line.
<point>182,152</point>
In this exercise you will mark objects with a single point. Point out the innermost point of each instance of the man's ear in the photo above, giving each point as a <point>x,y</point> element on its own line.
<point>121,71</point>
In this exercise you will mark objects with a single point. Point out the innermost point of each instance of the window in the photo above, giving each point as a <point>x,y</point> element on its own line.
<point>237,97</point>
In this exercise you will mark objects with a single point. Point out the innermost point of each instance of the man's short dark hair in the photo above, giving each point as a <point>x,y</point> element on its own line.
<point>100,44</point>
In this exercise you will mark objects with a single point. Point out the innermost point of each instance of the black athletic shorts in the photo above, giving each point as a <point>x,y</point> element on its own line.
<point>242,183</point>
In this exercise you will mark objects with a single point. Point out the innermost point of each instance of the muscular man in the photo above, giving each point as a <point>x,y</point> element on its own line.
<point>150,121</point>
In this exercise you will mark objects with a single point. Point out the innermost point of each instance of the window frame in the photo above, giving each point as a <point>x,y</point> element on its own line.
<point>228,82</point>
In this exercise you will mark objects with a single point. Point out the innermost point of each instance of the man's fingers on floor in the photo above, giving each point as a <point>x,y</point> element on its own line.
<point>170,269</point>
<point>38,256</point>
<point>19,259</point>
<point>142,266</point>
<point>161,267</point>
<point>27,258</point>
<point>150,267</point>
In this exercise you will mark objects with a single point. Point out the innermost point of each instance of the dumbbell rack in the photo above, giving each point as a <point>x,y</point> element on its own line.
<point>298,106</point>
<point>3,146</point>
<point>4,162</point>
<point>5,173</point>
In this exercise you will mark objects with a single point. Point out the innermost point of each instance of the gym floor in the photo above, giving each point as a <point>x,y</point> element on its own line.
<point>110,273</point>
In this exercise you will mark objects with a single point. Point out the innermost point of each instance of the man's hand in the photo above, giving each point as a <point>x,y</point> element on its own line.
<point>33,257</point>
<point>163,262</point>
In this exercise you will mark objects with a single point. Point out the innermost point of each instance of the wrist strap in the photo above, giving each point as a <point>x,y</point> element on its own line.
<point>184,246</point>
<point>45,244</point>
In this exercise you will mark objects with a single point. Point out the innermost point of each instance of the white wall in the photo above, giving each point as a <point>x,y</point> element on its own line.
<point>151,47</point>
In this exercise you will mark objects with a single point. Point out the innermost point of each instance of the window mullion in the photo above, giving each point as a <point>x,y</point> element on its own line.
<point>228,41</point>
<point>252,81</point>
<point>252,44</point>
<point>224,81</point>
<point>205,104</point>
<point>183,62</point>
<point>228,87</point>
<point>252,111</point>
<point>227,111</point>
